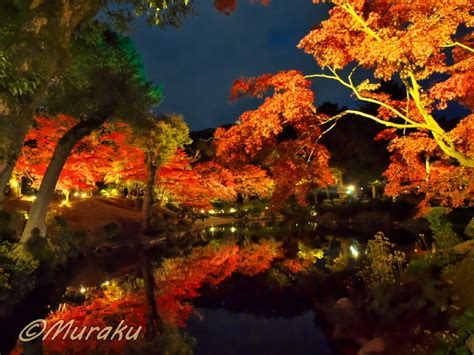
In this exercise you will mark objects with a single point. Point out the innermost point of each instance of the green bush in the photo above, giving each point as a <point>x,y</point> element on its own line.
<point>434,262</point>
<point>16,271</point>
<point>443,233</point>
<point>454,341</point>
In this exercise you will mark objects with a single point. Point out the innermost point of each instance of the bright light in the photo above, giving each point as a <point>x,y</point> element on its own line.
<point>266,208</point>
<point>76,194</point>
<point>82,290</point>
<point>354,251</point>
<point>350,189</point>
<point>83,194</point>
<point>114,192</point>
<point>212,229</point>
<point>233,229</point>
<point>29,198</point>
<point>232,210</point>
<point>212,211</point>
<point>65,203</point>
<point>106,283</point>
<point>25,214</point>
<point>202,211</point>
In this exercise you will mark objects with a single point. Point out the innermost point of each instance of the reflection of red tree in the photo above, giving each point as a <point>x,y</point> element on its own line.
<point>256,258</point>
<point>178,281</point>
<point>103,311</point>
<point>297,265</point>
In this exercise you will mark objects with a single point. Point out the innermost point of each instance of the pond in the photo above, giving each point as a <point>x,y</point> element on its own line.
<point>233,289</point>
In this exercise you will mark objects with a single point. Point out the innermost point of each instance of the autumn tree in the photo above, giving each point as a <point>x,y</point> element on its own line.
<point>105,82</point>
<point>421,44</point>
<point>35,39</point>
<point>159,138</point>
<point>297,161</point>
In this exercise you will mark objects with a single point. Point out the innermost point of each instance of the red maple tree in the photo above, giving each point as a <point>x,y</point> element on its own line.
<point>297,164</point>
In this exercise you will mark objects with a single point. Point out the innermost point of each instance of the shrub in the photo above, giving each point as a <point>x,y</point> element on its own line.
<point>443,233</point>
<point>383,263</point>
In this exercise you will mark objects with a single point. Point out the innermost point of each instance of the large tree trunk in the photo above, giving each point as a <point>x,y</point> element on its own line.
<point>39,208</point>
<point>42,36</point>
<point>148,198</point>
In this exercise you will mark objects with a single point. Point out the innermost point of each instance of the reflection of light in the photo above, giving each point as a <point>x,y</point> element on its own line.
<point>76,194</point>
<point>233,229</point>
<point>65,203</point>
<point>354,251</point>
<point>29,198</point>
<point>25,214</point>
<point>232,210</point>
<point>82,290</point>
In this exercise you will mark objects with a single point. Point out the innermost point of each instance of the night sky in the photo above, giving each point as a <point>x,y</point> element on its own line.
<point>198,62</point>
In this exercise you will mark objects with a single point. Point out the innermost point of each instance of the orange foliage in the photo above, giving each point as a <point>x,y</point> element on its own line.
<point>296,164</point>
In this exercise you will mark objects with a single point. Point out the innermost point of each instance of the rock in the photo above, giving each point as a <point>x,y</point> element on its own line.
<point>470,343</point>
<point>344,304</point>
<point>376,345</point>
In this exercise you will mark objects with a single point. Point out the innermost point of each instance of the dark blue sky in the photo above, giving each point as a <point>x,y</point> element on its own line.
<point>198,62</point>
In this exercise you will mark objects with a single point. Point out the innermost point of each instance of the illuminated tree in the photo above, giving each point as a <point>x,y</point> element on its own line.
<point>35,39</point>
<point>159,140</point>
<point>105,82</point>
<point>418,43</point>
<point>297,164</point>
<point>82,167</point>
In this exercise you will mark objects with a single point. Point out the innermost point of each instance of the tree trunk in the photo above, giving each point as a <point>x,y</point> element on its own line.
<point>39,208</point>
<point>374,191</point>
<point>148,198</point>
<point>42,36</point>
<point>154,321</point>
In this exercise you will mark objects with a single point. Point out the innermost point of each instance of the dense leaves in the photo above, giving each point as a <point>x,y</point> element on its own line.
<point>296,164</point>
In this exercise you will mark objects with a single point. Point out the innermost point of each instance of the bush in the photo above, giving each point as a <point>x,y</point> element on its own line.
<point>382,264</point>
<point>455,340</point>
<point>16,271</point>
<point>443,233</point>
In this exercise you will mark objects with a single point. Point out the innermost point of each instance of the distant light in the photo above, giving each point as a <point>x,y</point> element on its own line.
<point>361,188</point>
<point>354,251</point>
<point>202,211</point>
<point>233,229</point>
<point>114,192</point>
<point>266,208</point>
<point>350,189</point>
<point>82,290</point>
<point>212,212</point>
<point>83,195</point>
<point>232,210</point>
<point>76,194</point>
<point>212,229</point>
<point>106,283</point>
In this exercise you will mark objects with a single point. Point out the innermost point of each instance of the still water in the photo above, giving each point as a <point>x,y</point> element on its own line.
<point>235,289</point>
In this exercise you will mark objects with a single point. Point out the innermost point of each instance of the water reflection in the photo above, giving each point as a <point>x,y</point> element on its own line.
<point>235,289</point>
